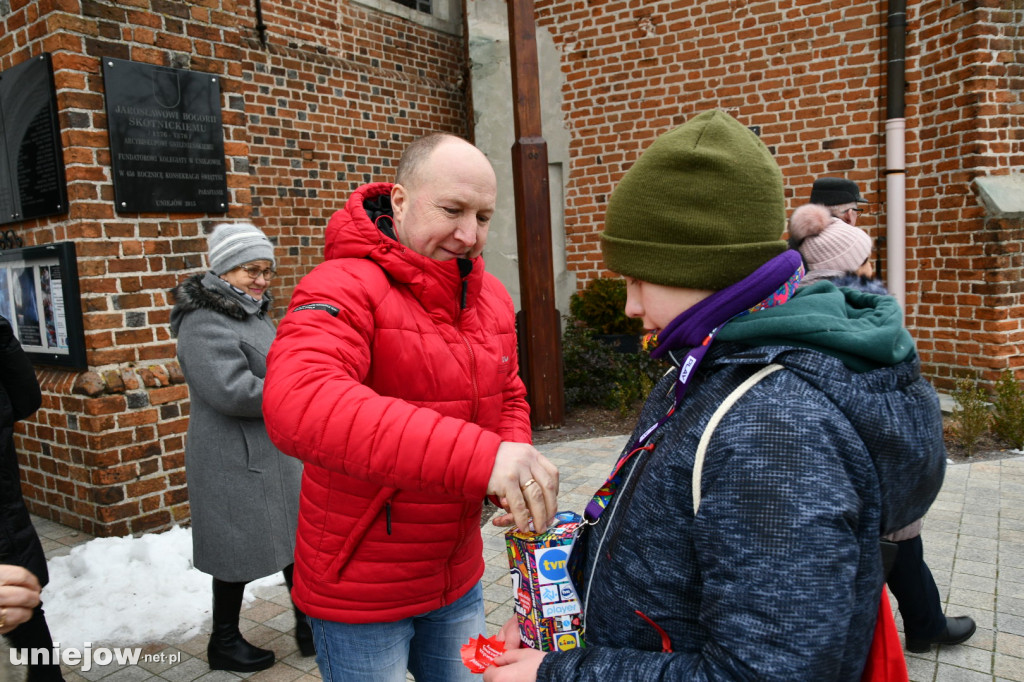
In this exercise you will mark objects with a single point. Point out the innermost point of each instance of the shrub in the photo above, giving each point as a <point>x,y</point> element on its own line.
<point>1008,410</point>
<point>601,306</point>
<point>971,413</point>
<point>595,375</point>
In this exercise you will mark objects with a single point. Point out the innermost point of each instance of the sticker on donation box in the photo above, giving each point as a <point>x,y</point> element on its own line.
<point>546,604</point>
<point>551,565</point>
<point>567,640</point>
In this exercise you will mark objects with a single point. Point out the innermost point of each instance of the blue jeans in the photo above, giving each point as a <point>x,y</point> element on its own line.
<point>426,645</point>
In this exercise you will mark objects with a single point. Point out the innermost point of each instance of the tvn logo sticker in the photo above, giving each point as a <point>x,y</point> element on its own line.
<point>551,565</point>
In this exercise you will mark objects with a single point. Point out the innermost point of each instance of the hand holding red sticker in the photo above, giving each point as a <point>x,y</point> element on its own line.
<point>478,654</point>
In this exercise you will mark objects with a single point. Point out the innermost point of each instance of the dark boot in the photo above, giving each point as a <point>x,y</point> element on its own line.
<point>228,650</point>
<point>958,630</point>
<point>303,633</point>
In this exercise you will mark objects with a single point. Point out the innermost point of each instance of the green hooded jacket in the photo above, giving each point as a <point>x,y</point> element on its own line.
<point>865,331</point>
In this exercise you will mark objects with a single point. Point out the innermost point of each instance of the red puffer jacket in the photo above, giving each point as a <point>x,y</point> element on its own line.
<point>396,396</point>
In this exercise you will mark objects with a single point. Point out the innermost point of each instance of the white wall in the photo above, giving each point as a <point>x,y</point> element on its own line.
<point>491,80</point>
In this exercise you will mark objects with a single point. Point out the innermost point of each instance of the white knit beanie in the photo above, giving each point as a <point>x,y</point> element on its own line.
<point>828,243</point>
<point>234,244</point>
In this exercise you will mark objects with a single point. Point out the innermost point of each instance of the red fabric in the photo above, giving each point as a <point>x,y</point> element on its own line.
<point>885,659</point>
<point>397,406</point>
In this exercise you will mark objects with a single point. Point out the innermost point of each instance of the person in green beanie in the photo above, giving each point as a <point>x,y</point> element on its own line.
<point>738,535</point>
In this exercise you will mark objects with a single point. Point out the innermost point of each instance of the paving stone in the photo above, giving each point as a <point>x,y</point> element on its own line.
<point>920,669</point>
<point>1010,645</point>
<point>1009,667</point>
<point>965,656</point>
<point>950,673</point>
<point>975,548</point>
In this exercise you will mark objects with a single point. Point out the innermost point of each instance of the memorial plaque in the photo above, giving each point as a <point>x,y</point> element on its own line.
<point>166,140</point>
<point>32,183</point>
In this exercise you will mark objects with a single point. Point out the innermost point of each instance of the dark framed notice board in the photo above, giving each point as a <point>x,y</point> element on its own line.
<point>39,295</point>
<point>166,139</point>
<point>32,181</point>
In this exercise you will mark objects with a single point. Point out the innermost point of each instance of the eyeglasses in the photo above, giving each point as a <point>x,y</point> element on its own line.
<point>254,272</point>
<point>858,210</point>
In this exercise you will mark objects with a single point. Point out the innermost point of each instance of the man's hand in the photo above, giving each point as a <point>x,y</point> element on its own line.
<point>19,594</point>
<point>527,485</point>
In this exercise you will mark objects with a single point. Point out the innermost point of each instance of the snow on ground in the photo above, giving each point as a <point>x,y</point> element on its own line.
<point>130,591</point>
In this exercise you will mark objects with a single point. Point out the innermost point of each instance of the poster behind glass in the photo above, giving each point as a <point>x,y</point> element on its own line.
<point>39,296</point>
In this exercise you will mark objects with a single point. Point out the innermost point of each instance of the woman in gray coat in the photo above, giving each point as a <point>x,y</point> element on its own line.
<point>243,492</point>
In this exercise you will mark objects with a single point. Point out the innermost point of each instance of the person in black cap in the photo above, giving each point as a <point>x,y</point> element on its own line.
<point>840,196</point>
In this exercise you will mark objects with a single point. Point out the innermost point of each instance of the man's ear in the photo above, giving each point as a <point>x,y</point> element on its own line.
<point>399,202</point>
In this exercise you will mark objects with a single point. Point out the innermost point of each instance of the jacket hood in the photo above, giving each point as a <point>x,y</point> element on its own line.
<point>207,291</point>
<point>846,279</point>
<point>893,409</point>
<point>362,230</point>
<point>863,330</point>
<point>851,345</point>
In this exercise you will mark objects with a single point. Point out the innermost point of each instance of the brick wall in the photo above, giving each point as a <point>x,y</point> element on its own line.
<point>967,102</point>
<point>807,75</point>
<point>812,77</point>
<point>338,89</point>
<point>325,105</point>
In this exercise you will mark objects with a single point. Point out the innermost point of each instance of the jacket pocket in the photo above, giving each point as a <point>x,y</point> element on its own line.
<point>259,451</point>
<point>332,573</point>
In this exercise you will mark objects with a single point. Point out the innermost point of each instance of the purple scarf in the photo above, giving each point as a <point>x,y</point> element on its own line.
<point>770,285</point>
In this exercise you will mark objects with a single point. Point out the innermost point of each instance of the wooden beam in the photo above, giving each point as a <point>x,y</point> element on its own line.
<point>541,329</point>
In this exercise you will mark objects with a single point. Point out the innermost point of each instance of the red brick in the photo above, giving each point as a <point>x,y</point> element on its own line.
<point>145,487</point>
<point>159,396</point>
<point>117,512</point>
<point>113,404</point>
<point>118,474</point>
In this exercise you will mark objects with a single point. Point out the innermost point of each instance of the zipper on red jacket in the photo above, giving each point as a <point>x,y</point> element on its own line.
<point>387,515</point>
<point>465,267</point>
<point>472,375</point>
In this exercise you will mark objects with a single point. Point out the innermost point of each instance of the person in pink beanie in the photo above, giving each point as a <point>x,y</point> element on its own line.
<point>839,252</point>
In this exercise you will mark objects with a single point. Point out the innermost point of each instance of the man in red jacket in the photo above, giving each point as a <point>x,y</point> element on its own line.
<point>394,377</point>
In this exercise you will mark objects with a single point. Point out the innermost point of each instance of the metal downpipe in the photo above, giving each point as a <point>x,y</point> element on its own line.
<point>895,154</point>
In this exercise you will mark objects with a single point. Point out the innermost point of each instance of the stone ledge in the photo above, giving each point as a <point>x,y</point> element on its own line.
<point>94,384</point>
<point>1002,195</point>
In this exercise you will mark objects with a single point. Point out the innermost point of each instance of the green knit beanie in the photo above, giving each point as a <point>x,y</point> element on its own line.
<point>702,207</point>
